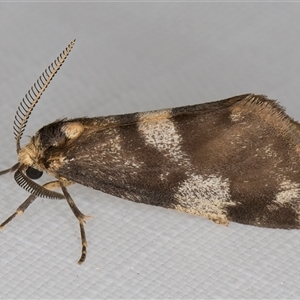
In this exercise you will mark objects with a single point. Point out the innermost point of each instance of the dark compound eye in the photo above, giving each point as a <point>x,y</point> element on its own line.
<point>33,173</point>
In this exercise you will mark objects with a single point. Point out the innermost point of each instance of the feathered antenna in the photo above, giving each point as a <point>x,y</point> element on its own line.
<point>34,94</point>
<point>34,188</point>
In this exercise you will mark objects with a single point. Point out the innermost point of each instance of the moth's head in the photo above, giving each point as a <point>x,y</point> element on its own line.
<point>47,145</point>
<point>29,155</point>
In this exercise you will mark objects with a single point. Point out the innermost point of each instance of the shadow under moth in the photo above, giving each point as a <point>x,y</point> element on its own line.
<point>231,160</point>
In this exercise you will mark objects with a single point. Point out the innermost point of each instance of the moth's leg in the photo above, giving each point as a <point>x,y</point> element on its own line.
<point>12,169</point>
<point>80,217</point>
<point>50,185</point>
<point>20,209</point>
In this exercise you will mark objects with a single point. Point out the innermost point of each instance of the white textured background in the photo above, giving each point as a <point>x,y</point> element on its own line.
<point>135,57</point>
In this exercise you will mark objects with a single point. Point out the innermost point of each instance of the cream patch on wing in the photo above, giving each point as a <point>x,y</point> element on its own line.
<point>206,196</point>
<point>162,135</point>
<point>235,117</point>
<point>72,129</point>
<point>289,190</point>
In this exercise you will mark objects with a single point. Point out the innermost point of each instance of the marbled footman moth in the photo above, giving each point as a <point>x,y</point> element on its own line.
<point>230,160</point>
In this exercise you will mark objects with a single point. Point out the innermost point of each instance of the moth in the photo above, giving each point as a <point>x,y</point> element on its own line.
<point>230,160</point>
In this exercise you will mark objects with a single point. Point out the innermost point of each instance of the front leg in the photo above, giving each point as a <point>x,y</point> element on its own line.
<point>78,214</point>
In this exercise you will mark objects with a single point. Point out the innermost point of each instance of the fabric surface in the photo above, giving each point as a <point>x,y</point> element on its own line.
<point>136,57</point>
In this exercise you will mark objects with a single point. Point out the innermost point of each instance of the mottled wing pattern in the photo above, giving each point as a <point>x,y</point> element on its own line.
<point>230,160</point>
